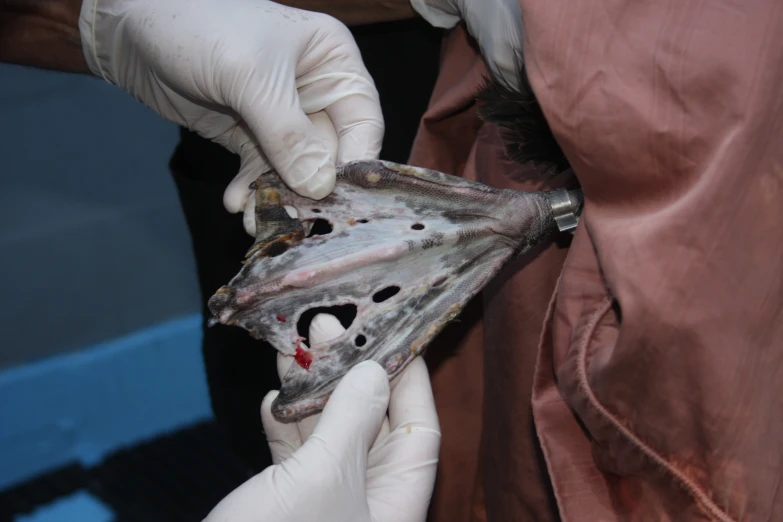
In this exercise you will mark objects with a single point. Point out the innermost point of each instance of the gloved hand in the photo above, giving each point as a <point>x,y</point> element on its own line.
<point>495,24</point>
<point>245,74</point>
<point>337,473</point>
<point>237,197</point>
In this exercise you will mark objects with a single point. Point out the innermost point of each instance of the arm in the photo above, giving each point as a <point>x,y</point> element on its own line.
<point>42,33</point>
<point>358,12</point>
<point>45,33</point>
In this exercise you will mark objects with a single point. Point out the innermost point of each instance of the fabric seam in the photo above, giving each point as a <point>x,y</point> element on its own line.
<point>693,489</point>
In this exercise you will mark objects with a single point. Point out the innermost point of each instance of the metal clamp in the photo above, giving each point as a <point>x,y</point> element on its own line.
<point>566,208</point>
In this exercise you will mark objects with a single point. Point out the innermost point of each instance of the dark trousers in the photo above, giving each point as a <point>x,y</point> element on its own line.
<point>403,58</point>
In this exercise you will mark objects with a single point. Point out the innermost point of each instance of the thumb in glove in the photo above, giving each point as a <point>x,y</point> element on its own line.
<point>237,198</point>
<point>325,478</point>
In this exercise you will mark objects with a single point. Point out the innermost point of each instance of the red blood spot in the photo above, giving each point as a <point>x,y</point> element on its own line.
<point>303,358</point>
<point>281,318</point>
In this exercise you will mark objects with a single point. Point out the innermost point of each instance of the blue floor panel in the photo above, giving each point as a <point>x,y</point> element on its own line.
<point>77,507</point>
<point>178,477</point>
<point>119,432</point>
<point>82,406</point>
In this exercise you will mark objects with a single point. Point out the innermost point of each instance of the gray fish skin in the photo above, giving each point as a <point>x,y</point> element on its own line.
<point>436,239</point>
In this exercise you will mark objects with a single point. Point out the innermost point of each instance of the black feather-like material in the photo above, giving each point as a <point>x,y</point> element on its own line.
<point>527,138</point>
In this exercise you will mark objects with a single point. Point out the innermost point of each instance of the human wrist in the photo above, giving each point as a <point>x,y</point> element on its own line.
<point>358,12</point>
<point>42,33</point>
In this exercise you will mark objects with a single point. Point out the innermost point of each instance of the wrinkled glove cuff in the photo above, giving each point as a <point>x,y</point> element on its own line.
<point>436,17</point>
<point>96,20</point>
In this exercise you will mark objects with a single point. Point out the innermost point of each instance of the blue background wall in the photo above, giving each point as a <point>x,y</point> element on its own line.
<point>93,243</point>
<point>99,332</point>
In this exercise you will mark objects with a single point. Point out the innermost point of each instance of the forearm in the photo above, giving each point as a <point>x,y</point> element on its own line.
<point>42,33</point>
<point>45,33</point>
<point>358,12</point>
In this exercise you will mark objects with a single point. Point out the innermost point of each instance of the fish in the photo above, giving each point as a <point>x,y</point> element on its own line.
<point>395,252</point>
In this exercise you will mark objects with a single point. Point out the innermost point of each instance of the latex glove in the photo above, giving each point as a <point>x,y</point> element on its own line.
<point>338,473</point>
<point>237,197</point>
<point>495,24</point>
<point>245,74</point>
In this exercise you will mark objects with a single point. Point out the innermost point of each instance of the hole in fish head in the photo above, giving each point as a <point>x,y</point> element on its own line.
<point>385,294</point>
<point>320,227</point>
<point>344,313</point>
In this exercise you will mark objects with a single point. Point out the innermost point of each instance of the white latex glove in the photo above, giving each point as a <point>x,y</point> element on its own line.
<point>245,74</point>
<point>237,197</point>
<point>337,474</point>
<point>495,24</point>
